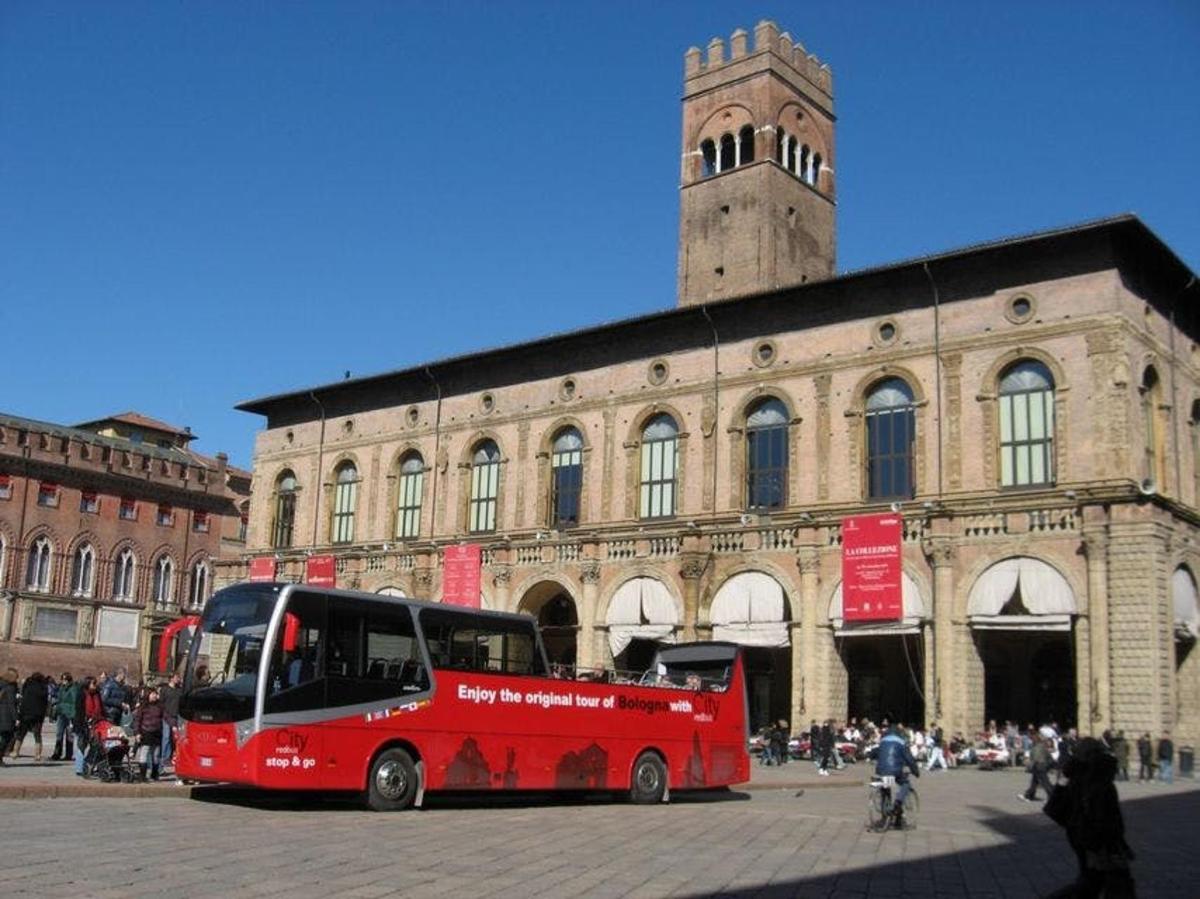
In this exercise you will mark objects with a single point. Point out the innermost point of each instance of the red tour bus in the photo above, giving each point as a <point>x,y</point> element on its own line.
<point>294,687</point>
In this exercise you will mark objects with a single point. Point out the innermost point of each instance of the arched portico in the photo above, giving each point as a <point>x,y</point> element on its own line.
<point>641,615</point>
<point>558,619</point>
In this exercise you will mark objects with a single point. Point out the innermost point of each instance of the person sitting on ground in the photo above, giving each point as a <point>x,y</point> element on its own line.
<point>894,760</point>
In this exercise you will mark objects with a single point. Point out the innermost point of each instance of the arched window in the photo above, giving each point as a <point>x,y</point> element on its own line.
<point>780,145</point>
<point>1026,425</point>
<point>660,466</point>
<point>815,174</point>
<point>802,164</point>
<point>123,575</point>
<point>345,500</point>
<point>1151,391</point>
<point>566,469</point>
<point>285,510</point>
<point>1195,465</point>
<point>408,502</point>
<point>198,584</point>
<point>83,570</point>
<point>485,487</point>
<point>728,153</point>
<point>708,155</point>
<point>767,455</point>
<point>164,581</point>
<point>746,145</point>
<point>37,572</point>
<point>789,161</point>
<point>891,427</point>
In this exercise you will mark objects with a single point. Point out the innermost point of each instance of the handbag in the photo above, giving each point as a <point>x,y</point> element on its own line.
<point>143,754</point>
<point>1058,805</point>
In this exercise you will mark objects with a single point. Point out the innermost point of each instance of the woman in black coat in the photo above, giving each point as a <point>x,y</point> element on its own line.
<point>35,698</point>
<point>8,709</point>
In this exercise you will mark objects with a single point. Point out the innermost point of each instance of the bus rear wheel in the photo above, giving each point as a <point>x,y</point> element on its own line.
<point>392,785</point>
<point>649,780</point>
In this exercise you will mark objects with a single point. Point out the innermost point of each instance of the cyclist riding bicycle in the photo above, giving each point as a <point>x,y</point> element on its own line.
<point>894,760</point>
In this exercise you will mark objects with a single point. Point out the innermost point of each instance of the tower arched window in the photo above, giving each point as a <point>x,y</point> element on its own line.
<point>708,157</point>
<point>83,570</point>
<point>409,492</point>
<point>891,430</point>
<point>345,502</point>
<point>802,164</point>
<point>815,174</point>
<point>566,470</point>
<point>37,571</point>
<point>728,153</point>
<point>780,145</point>
<point>285,510</point>
<point>1026,425</point>
<point>789,161</point>
<point>124,571</point>
<point>1151,401</point>
<point>746,145</point>
<point>198,585</point>
<point>485,487</point>
<point>164,581</point>
<point>660,467</point>
<point>767,455</point>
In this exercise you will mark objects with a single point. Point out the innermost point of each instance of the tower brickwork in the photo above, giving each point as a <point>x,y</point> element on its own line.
<point>757,192</point>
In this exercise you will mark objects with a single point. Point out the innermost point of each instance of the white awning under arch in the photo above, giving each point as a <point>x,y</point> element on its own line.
<point>913,608</point>
<point>749,609</point>
<point>391,591</point>
<point>642,609</point>
<point>1048,600</point>
<point>1187,606</point>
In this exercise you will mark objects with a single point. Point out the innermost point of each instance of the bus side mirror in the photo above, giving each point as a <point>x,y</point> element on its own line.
<point>291,631</point>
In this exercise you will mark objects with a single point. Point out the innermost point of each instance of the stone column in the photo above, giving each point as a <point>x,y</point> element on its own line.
<point>928,679</point>
<point>585,646</point>
<point>1098,716</point>
<point>810,687</point>
<point>949,703</point>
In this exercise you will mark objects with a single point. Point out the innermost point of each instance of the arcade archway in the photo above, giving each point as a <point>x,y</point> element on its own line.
<point>751,609</point>
<point>557,618</point>
<point>641,616</point>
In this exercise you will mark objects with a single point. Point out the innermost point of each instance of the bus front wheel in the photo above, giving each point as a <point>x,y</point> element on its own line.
<point>649,780</point>
<point>393,782</point>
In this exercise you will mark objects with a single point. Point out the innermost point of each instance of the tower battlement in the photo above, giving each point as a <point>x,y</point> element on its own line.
<point>767,39</point>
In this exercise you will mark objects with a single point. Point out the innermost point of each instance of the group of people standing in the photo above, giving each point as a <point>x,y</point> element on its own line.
<point>146,713</point>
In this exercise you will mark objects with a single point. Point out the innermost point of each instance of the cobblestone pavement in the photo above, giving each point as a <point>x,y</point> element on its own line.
<point>974,838</point>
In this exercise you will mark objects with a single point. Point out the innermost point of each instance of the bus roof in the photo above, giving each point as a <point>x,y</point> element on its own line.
<point>388,599</point>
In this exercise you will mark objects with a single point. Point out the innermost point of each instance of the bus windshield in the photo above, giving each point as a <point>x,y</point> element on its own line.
<point>222,670</point>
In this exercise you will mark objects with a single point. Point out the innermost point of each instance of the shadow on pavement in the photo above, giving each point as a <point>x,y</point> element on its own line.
<point>1033,860</point>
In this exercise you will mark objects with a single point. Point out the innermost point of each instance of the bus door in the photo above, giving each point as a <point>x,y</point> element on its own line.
<point>290,746</point>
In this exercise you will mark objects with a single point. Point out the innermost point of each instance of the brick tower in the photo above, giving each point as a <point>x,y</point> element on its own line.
<point>757,184</point>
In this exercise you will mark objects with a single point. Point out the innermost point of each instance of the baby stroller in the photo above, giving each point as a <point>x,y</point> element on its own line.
<point>108,757</point>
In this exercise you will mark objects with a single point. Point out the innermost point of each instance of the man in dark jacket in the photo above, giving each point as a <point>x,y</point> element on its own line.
<point>1145,758</point>
<point>148,728</point>
<point>1166,758</point>
<point>115,696</point>
<point>64,716</point>
<point>1120,751</point>
<point>1039,764</point>
<point>894,760</point>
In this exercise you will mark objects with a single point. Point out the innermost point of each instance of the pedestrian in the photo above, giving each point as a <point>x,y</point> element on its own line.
<point>779,742</point>
<point>170,695</point>
<point>937,742</point>
<point>35,698</point>
<point>8,710</point>
<point>826,747</point>
<point>1146,766</point>
<point>1166,758</point>
<point>1120,751</point>
<point>1040,763</point>
<point>147,729</point>
<point>89,711</point>
<point>1095,828</point>
<point>64,717</point>
<point>115,696</point>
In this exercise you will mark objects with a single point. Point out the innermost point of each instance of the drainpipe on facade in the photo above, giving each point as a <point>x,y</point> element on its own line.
<point>1174,396</point>
<point>437,440</point>
<point>716,404</point>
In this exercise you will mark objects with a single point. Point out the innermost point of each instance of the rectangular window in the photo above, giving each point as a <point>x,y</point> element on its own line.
<point>889,453</point>
<point>127,511</point>
<point>89,502</point>
<point>200,522</point>
<point>345,501</point>
<point>5,486</point>
<point>1026,438</point>
<point>485,486</point>
<point>285,515</point>
<point>766,452</point>
<point>165,517</point>
<point>567,468</point>
<point>659,468</point>
<point>117,627</point>
<point>408,511</point>
<point>58,625</point>
<point>48,494</point>
<point>475,643</point>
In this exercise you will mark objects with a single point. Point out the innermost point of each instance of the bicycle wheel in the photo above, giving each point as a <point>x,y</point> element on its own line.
<point>878,810</point>
<point>912,809</point>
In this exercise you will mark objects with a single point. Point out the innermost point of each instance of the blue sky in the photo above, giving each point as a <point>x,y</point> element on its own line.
<point>202,203</point>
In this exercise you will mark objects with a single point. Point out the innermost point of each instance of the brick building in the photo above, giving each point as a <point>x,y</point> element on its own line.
<point>109,530</point>
<point>1031,407</point>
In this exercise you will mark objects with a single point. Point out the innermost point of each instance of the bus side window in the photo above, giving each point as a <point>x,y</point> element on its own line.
<point>297,681</point>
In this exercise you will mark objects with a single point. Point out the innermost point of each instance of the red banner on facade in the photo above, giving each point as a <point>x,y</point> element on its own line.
<point>321,571</point>
<point>871,568</point>
<point>262,568</point>
<point>462,574</point>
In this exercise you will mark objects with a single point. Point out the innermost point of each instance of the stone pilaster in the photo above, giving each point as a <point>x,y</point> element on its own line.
<point>1095,546</point>
<point>691,569</point>
<point>950,701</point>
<point>822,383</point>
<point>952,379</point>
<point>589,575</point>
<point>809,684</point>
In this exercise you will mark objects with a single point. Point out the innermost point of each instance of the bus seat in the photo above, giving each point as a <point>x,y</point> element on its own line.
<point>376,669</point>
